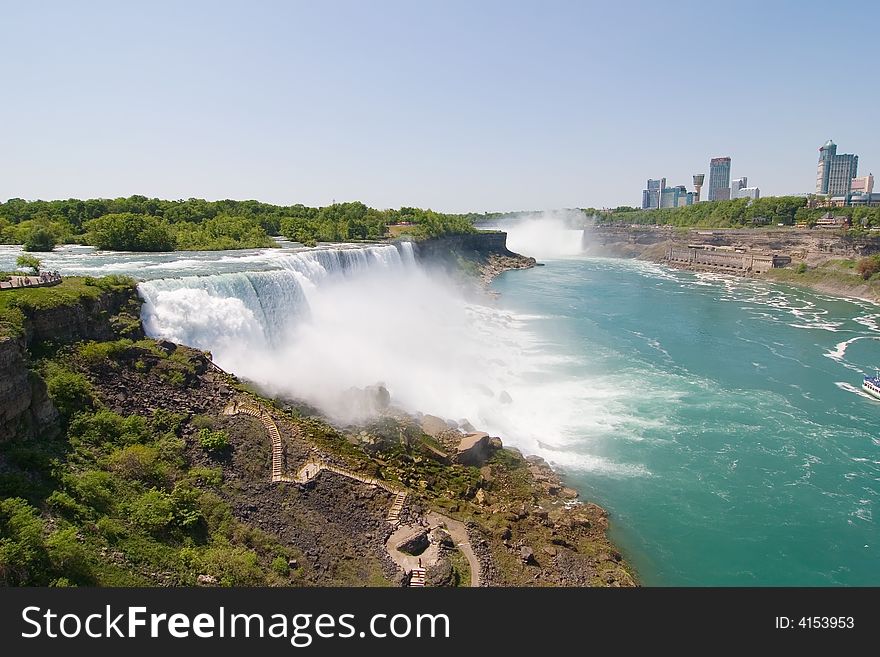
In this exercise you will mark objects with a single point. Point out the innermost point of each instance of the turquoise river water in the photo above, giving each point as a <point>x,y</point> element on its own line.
<point>740,449</point>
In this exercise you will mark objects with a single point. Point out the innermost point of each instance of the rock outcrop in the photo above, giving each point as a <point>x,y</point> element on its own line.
<point>473,449</point>
<point>25,408</point>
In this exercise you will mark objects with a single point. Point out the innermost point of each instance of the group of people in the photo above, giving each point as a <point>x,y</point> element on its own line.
<point>43,278</point>
<point>49,276</point>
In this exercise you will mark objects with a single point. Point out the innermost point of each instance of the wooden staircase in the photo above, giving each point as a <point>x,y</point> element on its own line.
<point>396,507</point>
<point>311,469</point>
<point>417,577</point>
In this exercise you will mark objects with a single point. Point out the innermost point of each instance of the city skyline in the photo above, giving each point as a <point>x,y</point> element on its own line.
<point>459,107</point>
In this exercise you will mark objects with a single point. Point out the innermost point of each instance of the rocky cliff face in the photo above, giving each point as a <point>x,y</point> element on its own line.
<point>90,319</point>
<point>480,244</point>
<point>812,246</point>
<point>25,408</point>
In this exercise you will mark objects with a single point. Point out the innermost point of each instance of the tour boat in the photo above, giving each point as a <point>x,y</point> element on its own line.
<point>871,385</point>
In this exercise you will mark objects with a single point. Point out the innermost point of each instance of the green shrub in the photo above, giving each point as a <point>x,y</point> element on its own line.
<point>64,504</point>
<point>206,476</point>
<point>27,261</point>
<point>136,462</point>
<point>110,528</point>
<point>71,392</point>
<point>22,550</point>
<point>100,353</point>
<point>801,268</point>
<point>186,505</point>
<point>95,488</point>
<point>202,422</point>
<point>279,565</point>
<point>233,566</point>
<point>68,555</point>
<point>212,440</point>
<point>154,510</point>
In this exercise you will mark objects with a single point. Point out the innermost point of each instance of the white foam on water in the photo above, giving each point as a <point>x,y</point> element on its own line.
<point>330,320</point>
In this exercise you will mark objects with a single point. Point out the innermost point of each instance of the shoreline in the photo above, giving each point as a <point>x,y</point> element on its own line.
<point>545,478</point>
<point>822,252</point>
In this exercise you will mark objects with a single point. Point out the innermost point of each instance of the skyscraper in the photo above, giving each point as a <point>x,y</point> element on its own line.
<point>835,172</point>
<point>652,193</point>
<point>719,179</point>
<point>736,185</point>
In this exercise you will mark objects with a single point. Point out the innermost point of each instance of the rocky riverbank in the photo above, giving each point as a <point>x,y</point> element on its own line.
<point>822,260</point>
<point>496,264</point>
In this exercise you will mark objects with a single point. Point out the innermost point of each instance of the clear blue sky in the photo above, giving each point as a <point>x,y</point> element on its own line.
<point>450,105</point>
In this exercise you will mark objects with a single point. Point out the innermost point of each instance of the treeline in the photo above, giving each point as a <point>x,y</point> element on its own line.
<point>770,210</point>
<point>138,223</point>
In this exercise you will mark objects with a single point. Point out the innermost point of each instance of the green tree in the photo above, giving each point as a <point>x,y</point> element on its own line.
<point>39,239</point>
<point>130,232</point>
<point>29,261</point>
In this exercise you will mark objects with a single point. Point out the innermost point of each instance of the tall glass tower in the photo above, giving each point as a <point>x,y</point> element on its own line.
<point>719,179</point>
<point>835,172</point>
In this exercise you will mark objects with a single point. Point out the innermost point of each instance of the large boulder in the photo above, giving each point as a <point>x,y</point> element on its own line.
<point>433,425</point>
<point>415,544</point>
<point>473,449</point>
<point>440,573</point>
<point>443,537</point>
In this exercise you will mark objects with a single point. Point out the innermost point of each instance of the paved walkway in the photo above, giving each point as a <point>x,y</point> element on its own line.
<point>43,280</point>
<point>459,534</point>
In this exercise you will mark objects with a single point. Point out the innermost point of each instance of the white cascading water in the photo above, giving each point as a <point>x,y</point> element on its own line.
<point>336,319</point>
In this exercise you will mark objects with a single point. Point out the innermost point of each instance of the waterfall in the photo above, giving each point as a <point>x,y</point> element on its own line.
<point>253,311</point>
<point>313,325</point>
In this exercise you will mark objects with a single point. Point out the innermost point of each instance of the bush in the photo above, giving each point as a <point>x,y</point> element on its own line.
<point>154,510</point>
<point>205,476</point>
<point>212,440</point>
<point>29,262</point>
<point>71,392</point>
<point>867,267</point>
<point>39,239</point>
<point>22,551</point>
<point>136,462</point>
<point>279,565</point>
<point>98,353</point>
<point>233,566</point>
<point>203,422</point>
<point>801,268</point>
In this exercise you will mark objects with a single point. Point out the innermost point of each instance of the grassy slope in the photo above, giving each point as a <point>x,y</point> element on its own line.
<point>832,277</point>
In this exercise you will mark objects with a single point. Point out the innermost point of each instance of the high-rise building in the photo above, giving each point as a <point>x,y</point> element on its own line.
<point>719,179</point>
<point>835,172</point>
<point>675,197</point>
<point>749,192</point>
<point>737,184</point>
<point>863,184</point>
<point>652,193</point>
